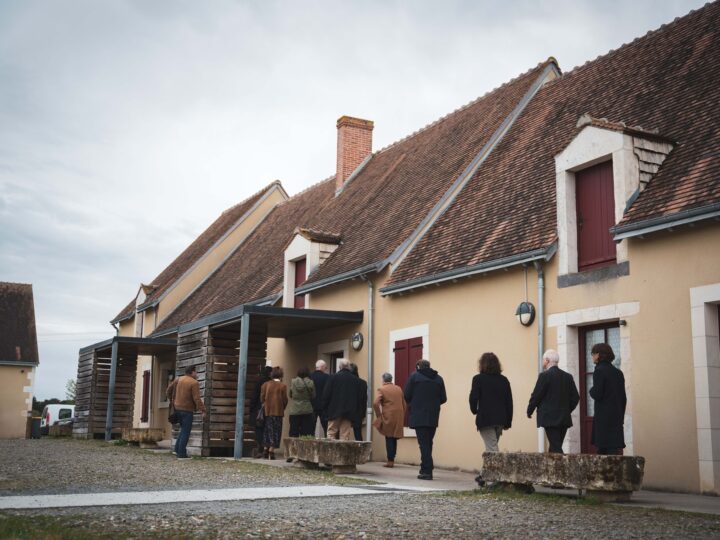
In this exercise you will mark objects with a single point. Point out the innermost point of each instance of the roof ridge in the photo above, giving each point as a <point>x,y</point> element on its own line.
<point>550,59</point>
<point>16,283</point>
<point>311,186</point>
<point>662,28</point>
<point>246,199</point>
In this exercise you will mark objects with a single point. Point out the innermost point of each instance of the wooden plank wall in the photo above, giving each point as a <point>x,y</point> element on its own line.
<point>215,353</point>
<point>92,395</point>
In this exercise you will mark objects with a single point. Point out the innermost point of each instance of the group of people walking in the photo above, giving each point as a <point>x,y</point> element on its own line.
<point>339,402</point>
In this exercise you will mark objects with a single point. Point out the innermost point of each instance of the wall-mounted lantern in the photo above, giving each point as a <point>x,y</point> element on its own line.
<point>525,313</point>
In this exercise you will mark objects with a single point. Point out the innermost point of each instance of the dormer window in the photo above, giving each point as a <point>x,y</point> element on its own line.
<point>597,176</point>
<point>306,251</point>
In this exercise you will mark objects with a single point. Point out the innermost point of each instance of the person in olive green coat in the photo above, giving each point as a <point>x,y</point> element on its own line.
<point>301,393</point>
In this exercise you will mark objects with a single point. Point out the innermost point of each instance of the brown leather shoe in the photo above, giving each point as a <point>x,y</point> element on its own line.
<point>389,464</point>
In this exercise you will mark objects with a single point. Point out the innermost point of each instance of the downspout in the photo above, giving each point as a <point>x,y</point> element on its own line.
<point>117,330</point>
<point>371,314</point>
<point>541,336</point>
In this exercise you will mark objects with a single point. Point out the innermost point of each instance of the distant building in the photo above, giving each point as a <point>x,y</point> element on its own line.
<point>18,357</point>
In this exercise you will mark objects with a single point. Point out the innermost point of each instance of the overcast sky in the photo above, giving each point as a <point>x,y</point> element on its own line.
<point>126,127</point>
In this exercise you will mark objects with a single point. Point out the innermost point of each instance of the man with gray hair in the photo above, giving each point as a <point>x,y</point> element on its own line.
<point>340,402</point>
<point>319,378</point>
<point>555,396</point>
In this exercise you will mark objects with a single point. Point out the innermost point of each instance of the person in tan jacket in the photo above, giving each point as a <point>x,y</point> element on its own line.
<point>389,405</point>
<point>184,396</point>
<point>274,398</point>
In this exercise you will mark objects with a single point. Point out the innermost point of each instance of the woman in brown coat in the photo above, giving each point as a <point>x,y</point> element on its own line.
<point>389,406</point>
<point>273,396</point>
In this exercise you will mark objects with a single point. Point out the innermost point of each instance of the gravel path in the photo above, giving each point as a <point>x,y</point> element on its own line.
<point>72,466</point>
<point>67,466</point>
<point>392,516</point>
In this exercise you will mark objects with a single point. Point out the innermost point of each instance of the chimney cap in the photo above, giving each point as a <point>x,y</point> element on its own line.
<point>355,122</point>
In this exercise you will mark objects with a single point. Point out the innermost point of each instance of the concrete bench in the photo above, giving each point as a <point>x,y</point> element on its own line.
<point>145,437</point>
<point>611,478</point>
<point>343,456</point>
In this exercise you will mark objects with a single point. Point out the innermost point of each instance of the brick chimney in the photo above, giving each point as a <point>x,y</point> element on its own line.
<point>354,144</point>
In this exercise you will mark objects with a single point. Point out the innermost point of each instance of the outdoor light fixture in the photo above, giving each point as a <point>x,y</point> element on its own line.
<point>356,341</point>
<point>525,313</point>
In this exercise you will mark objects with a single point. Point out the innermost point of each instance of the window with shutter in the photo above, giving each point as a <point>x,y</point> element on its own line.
<point>595,205</point>
<point>300,277</point>
<point>407,353</point>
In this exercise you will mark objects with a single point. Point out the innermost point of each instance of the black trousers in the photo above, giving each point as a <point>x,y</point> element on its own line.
<point>609,451</point>
<point>425,436</point>
<point>555,436</point>
<point>391,448</point>
<point>323,422</point>
<point>357,430</point>
<point>301,424</point>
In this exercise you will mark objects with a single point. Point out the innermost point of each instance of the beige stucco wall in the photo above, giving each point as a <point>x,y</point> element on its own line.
<point>206,265</point>
<point>15,400</point>
<point>127,328</point>
<point>476,315</point>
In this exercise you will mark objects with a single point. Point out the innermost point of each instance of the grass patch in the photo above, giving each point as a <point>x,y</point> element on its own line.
<point>43,528</point>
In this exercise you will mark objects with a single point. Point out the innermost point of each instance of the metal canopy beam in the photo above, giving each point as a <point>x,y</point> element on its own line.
<point>242,376</point>
<point>111,391</point>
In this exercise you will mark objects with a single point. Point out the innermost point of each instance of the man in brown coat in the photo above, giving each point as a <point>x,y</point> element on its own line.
<point>389,406</point>
<point>184,394</point>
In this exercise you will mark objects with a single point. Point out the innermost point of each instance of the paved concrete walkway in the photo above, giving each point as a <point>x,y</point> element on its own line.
<point>26,502</point>
<point>405,477</point>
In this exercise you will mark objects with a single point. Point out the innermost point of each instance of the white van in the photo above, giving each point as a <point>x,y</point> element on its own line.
<point>52,414</point>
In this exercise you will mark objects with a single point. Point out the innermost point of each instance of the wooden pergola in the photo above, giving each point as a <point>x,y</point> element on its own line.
<point>105,394</point>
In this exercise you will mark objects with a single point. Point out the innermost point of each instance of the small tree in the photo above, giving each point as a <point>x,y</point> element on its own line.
<point>70,390</point>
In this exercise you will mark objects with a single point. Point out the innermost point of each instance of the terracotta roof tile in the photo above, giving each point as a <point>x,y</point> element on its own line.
<point>666,81</point>
<point>18,337</point>
<point>195,251</point>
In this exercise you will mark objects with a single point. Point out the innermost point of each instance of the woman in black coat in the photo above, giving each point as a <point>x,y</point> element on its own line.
<point>491,401</point>
<point>608,391</point>
<point>264,376</point>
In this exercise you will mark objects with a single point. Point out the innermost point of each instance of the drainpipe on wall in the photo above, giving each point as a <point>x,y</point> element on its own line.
<point>541,336</point>
<point>371,313</point>
<point>117,330</point>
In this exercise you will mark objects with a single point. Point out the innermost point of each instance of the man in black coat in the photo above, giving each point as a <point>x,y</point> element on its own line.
<point>555,396</point>
<point>340,402</point>
<point>608,391</point>
<point>319,377</point>
<point>424,393</point>
<point>362,403</point>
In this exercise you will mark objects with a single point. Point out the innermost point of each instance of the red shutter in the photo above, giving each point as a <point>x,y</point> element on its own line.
<point>407,353</point>
<point>300,277</point>
<point>595,203</point>
<point>145,411</point>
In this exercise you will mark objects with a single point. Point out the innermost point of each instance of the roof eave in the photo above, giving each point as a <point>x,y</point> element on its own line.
<point>652,225</point>
<point>19,363</point>
<point>468,271</point>
<point>352,274</point>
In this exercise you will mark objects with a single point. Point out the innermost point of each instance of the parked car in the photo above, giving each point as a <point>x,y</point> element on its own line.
<point>54,414</point>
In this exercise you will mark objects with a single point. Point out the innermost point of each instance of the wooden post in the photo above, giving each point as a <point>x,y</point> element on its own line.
<point>242,376</point>
<point>111,391</point>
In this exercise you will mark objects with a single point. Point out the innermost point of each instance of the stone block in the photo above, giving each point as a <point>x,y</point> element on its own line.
<point>145,437</point>
<point>609,477</point>
<point>60,430</point>
<point>343,456</point>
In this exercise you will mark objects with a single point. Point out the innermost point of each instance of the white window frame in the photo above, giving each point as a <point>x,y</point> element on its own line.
<point>706,362</point>
<point>591,146</point>
<point>568,326</point>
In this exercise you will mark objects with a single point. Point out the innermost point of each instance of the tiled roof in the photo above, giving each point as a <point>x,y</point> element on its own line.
<point>18,337</point>
<point>666,81</point>
<point>195,251</point>
<point>373,214</point>
<point>256,269</point>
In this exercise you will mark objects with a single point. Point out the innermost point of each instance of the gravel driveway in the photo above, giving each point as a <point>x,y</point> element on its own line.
<point>66,466</point>
<point>73,466</point>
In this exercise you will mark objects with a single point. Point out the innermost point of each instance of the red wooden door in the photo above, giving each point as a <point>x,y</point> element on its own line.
<point>595,204</point>
<point>300,277</point>
<point>145,410</point>
<point>589,336</point>
<point>408,352</point>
